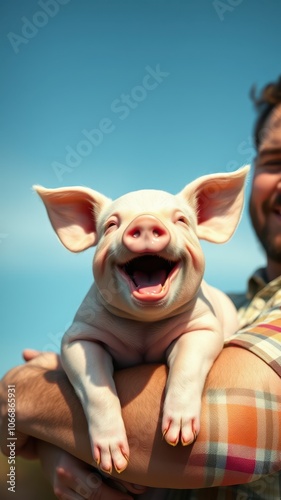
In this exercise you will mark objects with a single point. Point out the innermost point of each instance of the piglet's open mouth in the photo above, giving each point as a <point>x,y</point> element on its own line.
<point>148,276</point>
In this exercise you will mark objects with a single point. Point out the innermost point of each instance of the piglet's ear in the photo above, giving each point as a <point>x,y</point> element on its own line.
<point>73,213</point>
<point>218,202</point>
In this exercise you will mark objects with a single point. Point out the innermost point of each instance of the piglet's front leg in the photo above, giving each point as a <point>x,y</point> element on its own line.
<point>89,368</point>
<point>190,358</point>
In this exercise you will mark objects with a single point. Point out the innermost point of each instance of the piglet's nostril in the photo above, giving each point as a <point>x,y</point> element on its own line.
<point>136,234</point>
<point>157,233</point>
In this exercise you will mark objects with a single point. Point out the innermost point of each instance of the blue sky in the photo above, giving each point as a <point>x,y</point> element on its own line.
<point>164,88</point>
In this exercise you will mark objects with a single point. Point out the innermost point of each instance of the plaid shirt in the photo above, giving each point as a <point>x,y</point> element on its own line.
<point>258,454</point>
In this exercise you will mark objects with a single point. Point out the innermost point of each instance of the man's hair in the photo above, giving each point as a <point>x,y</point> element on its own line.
<point>268,98</point>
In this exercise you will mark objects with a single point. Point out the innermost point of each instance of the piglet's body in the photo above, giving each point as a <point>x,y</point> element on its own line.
<point>148,302</point>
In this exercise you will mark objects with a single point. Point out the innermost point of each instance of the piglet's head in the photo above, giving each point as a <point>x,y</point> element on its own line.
<point>148,253</point>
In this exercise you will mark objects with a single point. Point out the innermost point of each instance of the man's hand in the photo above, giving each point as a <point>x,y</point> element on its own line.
<point>73,478</point>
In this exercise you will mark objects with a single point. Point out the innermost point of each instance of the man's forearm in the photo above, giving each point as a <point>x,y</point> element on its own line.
<point>48,409</point>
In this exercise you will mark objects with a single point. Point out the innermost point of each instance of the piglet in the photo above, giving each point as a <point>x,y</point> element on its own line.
<point>149,302</point>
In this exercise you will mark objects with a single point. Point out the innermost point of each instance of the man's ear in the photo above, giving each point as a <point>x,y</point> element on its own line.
<point>73,213</point>
<point>218,202</point>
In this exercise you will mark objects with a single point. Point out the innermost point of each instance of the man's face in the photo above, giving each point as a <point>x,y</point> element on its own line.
<point>265,200</point>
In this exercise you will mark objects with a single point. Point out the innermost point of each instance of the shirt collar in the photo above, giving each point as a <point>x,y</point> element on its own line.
<point>259,281</point>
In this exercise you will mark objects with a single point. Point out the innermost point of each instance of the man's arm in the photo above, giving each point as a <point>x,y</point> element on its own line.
<point>48,409</point>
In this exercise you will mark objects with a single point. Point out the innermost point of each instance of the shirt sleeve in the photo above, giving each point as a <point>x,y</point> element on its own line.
<point>264,340</point>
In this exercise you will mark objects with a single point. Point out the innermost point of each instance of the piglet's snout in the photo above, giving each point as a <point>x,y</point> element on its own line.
<point>146,234</point>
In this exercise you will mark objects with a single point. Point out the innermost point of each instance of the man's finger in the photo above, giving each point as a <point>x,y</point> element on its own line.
<point>46,360</point>
<point>29,354</point>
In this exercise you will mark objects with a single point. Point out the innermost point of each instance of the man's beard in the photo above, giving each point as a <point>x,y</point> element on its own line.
<point>271,243</point>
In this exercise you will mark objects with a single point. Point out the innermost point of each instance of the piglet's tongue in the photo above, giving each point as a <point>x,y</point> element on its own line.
<point>149,283</point>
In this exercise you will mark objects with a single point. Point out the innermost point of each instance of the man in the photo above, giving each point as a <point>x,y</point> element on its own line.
<point>240,441</point>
